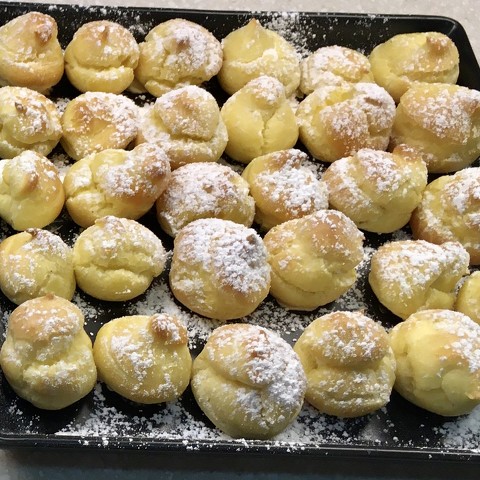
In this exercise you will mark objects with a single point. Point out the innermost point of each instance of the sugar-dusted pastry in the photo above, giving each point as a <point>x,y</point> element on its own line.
<point>259,120</point>
<point>349,363</point>
<point>337,121</point>
<point>219,269</point>
<point>468,297</point>
<point>31,192</point>
<point>284,187</point>
<point>47,356</point>
<point>438,361</point>
<point>123,183</point>
<point>443,122</point>
<point>333,65</point>
<point>177,53</point>
<point>101,57</point>
<point>204,190</point>
<point>313,259</point>
<point>252,51</point>
<point>409,58</point>
<point>248,381</point>
<point>376,189</point>
<point>95,121</point>
<point>34,263</point>
<point>116,259</point>
<point>412,275</point>
<point>450,211</point>
<point>144,358</point>
<point>29,121</point>
<point>186,122</point>
<point>31,53</point>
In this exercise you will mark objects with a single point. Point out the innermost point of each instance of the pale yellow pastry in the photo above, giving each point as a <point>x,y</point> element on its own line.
<point>31,53</point>
<point>337,121</point>
<point>468,298</point>
<point>144,358</point>
<point>31,192</point>
<point>96,121</point>
<point>333,65</point>
<point>47,356</point>
<point>450,211</point>
<point>438,361</point>
<point>412,275</point>
<point>34,263</point>
<point>29,121</point>
<point>376,189</point>
<point>101,57</point>
<point>313,259</point>
<point>252,51</point>
<point>219,269</point>
<point>177,53</point>
<point>186,122</point>
<point>259,120</point>
<point>410,58</point>
<point>116,259</point>
<point>248,381</point>
<point>349,363</point>
<point>284,187</point>
<point>123,183</point>
<point>204,190</point>
<point>443,122</point>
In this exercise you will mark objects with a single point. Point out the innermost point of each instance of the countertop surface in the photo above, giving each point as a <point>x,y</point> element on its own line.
<point>76,464</point>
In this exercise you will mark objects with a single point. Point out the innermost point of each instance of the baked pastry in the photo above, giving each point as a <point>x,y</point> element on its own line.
<point>101,57</point>
<point>29,120</point>
<point>259,120</point>
<point>248,381</point>
<point>409,58</point>
<point>47,356</point>
<point>412,275</point>
<point>337,121</point>
<point>116,259</point>
<point>31,192</point>
<point>34,263</point>
<point>443,122</point>
<point>450,211</point>
<point>95,121</point>
<point>177,53</point>
<point>438,361</point>
<point>376,189</point>
<point>313,259</point>
<point>468,297</point>
<point>349,364</point>
<point>144,358</point>
<point>204,190</point>
<point>186,122</point>
<point>219,269</point>
<point>333,65</point>
<point>252,51</point>
<point>116,182</point>
<point>31,53</point>
<point>283,187</point>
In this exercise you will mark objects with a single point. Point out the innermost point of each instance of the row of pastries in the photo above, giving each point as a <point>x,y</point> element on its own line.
<point>309,241</point>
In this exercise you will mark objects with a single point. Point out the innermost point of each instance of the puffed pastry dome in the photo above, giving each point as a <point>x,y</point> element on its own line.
<point>31,53</point>
<point>47,356</point>
<point>349,363</point>
<point>101,57</point>
<point>438,361</point>
<point>411,275</point>
<point>29,120</point>
<point>248,381</point>
<point>468,297</point>
<point>144,358</point>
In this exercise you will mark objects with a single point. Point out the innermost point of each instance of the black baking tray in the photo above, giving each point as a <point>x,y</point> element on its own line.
<point>103,420</point>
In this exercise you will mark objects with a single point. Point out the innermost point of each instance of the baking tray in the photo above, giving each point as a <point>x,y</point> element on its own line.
<point>103,420</point>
